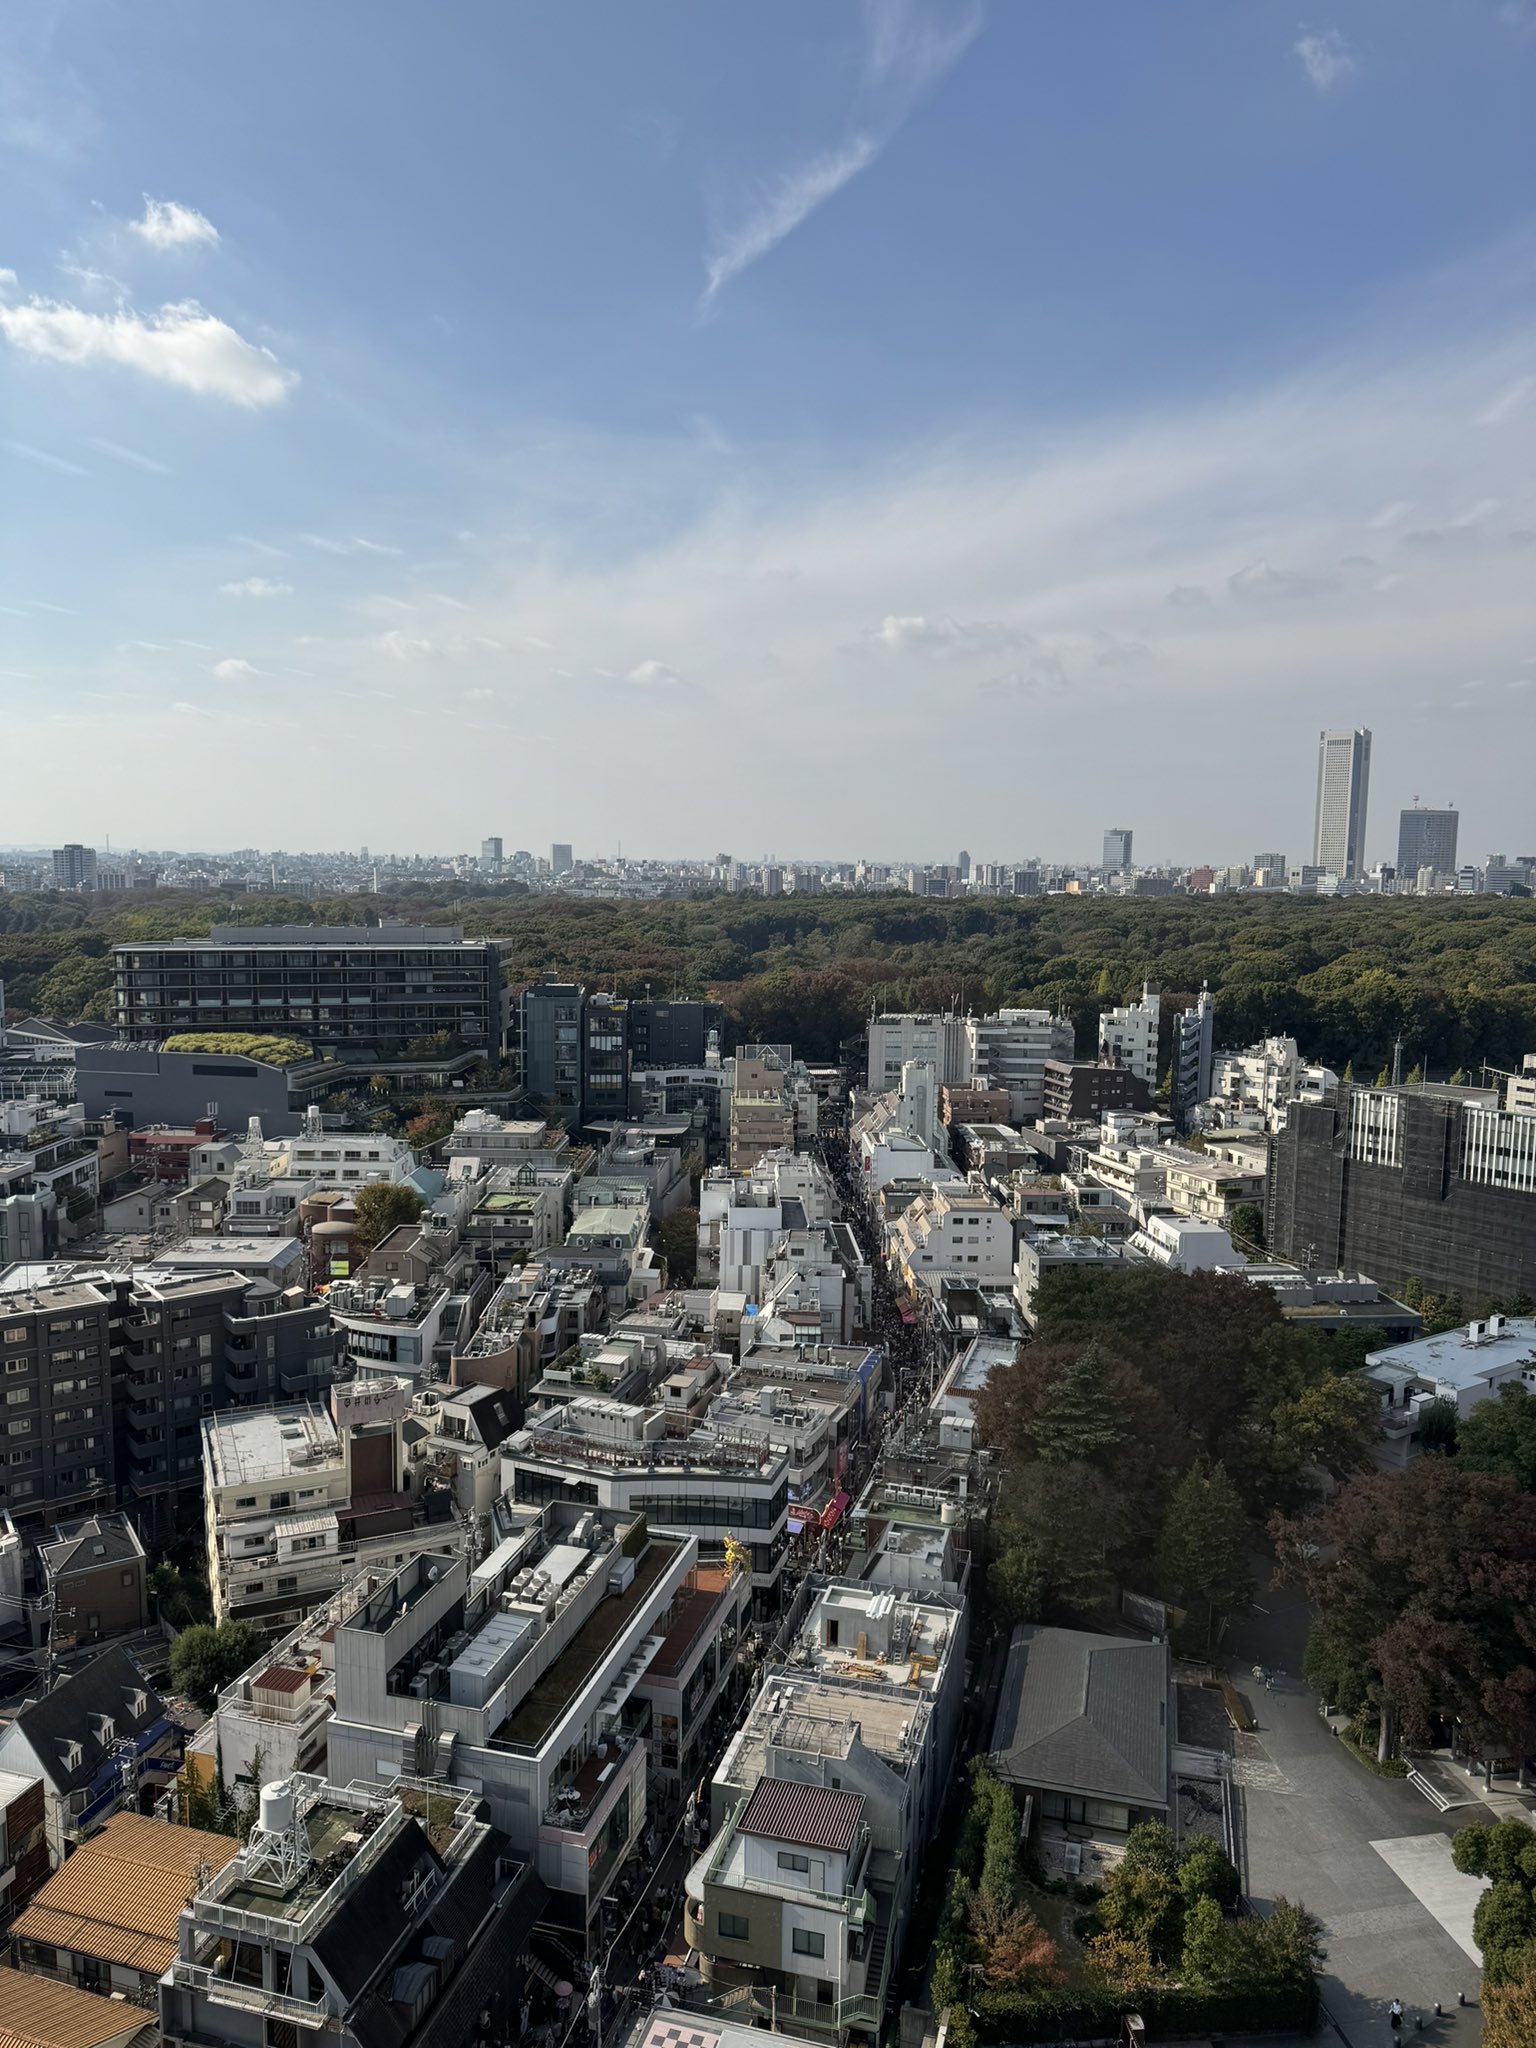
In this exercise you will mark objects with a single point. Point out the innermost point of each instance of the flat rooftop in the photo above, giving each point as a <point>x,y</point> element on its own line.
<point>1455,1358</point>
<point>270,1443</point>
<point>540,1707</point>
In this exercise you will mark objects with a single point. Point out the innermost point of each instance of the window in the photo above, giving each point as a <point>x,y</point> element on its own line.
<point>16,1333</point>
<point>287,1585</point>
<point>791,1859</point>
<point>804,1941</point>
<point>246,1500</point>
<point>733,1927</point>
<point>18,1365</point>
<point>15,1396</point>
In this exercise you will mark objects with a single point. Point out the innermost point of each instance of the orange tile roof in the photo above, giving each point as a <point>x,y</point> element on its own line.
<point>39,2012</point>
<point>121,1893</point>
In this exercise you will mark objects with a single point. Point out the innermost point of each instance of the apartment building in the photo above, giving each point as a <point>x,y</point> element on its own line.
<point>617,1455</point>
<point>1267,1077</point>
<point>1008,1051</point>
<point>1042,1252</point>
<point>742,1215</point>
<point>298,1499</point>
<point>57,1422</point>
<point>533,1316</point>
<point>773,1106</point>
<point>343,986</point>
<point>953,1231</point>
<point>928,1039</point>
<point>517,1682</point>
<point>824,1804</point>
<point>1128,1035</point>
<point>1209,1185</point>
<point>362,1914</point>
<point>272,1719</point>
<point>516,1216</point>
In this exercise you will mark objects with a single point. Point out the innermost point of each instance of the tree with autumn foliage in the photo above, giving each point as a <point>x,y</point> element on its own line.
<point>1424,1588</point>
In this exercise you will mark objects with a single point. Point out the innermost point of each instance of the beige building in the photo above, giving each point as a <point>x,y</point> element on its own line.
<point>952,1231</point>
<point>773,1105</point>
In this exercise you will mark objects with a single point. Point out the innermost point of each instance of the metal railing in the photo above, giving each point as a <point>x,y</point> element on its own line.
<point>277,2005</point>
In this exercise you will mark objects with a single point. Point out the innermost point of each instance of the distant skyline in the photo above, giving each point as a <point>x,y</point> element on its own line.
<point>915,423</point>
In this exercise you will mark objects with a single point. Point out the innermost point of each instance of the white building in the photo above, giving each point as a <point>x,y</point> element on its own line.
<point>340,1159</point>
<point>1268,1076</point>
<point>955,1232</point>
<point>1128,1035</point>
<point>743,1215</point>
<point>1186,1245</point>
<point>1463,1366</point>
<point>1009,1050</point>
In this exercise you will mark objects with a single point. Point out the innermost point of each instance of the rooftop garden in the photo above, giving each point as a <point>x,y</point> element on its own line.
<point>250,1045</point>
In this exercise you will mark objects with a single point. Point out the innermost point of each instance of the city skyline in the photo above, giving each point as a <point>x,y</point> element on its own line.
<point>802,367</point>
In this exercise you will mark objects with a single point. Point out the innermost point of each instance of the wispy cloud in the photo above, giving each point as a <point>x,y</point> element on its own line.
<point>909,45</point>
<point>182,344</point>
<point>167,224</point>
<point>233,670</point>
<point>654,675</point>
<point>44,459</point>
<point>255,586</point>
<point>330,544</point>
<point>1325,57</point>
<point>131,456</point>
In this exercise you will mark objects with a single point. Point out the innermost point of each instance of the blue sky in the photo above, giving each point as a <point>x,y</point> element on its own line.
<point>825,428</point>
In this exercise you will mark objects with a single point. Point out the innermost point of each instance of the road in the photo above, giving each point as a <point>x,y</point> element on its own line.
<point>1369,1856</point>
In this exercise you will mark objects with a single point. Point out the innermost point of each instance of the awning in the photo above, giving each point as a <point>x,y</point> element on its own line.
<point>795,1525</point>
<point>834,1511</point>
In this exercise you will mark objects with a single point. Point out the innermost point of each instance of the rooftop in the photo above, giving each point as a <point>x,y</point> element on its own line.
<point>1496,1347</point>
<point>810,1816</point>
<point>40,2012</point>
<point>1085,1714</point>
<point>540,1708</point>
<point>269,1443</point>
<point>120,1894</point>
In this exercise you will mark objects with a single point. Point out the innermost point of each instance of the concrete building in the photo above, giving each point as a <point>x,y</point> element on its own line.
<point>517,1682</point>
<point>515,1217</point>
<point>1343,790</point>
<point>1185,1244</point>
<point>743,1215</point>
<point>298,1500</point>
<point>272,1720</point>
<point>901,1038</point>
<point>1081,1091</point>
<point>1193,1050</point>
<point>334,985</point>
<point>1047,1251</point>
<point>956,1231</point>
<point>147,1085</point>
<point>1009,1051</point>
<point>618,1456</point>
<point>692,1676</point>
<point>362,1914</point>
<point>1463,1367</point>
<point>1435,1184</point>
<point>1208,1186</point>
<point>1128,1035</point>
<point>74,867</point>
<point>824,1804</point>
<point>1117,849</point>
<point>1267,1078</point>
<point>773,1106</point>
<point>1426,839</point>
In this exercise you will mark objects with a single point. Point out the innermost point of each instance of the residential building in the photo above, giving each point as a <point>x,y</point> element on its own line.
<point>1463,1367</point>
<point>272,1719</point>
<point>613,1244</point>
<point>516,1683</point>
<point>1193,1049</point>
<point>365,1915</point>
<point>74,867</point>
<point>56,1352</point>
<point>742,1215</point>
<point>1044,1252</point>
<point>516,1216</point>
<point>1268,1078</point>
<point>1435,1184</point>
<point>107,1920</point>
<point>486,1141</point>
<point>955,1230</point>
<point>1343,790</point>
<point>1080,1091</point>
<point>1086,1726</point>
<point>1185,1244</point>
<point>1520,1089</point>
<point>1426,839</point>
<point>42,2013</point>
<point>1117,850</point>
<point>342,1159</point>
<point>824,1804</point>
<point>773,1105</point>
<point>899,1039</point>
<point>23,1844</point>
<point>534,1315</point>
<point>331,985</point>
<point>1209,1186</point>
<point>617,1455</point>
<point>560,860</point>
<point>1008,1051</point>
<point>964,1104</point>
<point>1128,1035</point>
<point>94,1576</point>
<point>551,1039</point>
<point>900,1136</point>
<point>297,1500</point>
<point>98,1739</point>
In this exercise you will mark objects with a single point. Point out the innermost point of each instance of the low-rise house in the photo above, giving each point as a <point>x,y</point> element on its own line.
<point>364,1915</point>
<point>39,2012</point>
<point>24,1861</point>
<point>1085,1726</point>
<point>107,1921</point>
<point>1464,1367</point>
<point>96,1741</point>
<point>95,1572</point>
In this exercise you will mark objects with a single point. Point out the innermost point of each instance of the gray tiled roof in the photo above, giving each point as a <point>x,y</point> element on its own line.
<point>1085,1714</point>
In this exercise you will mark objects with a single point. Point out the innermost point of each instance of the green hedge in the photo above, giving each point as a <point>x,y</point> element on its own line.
<point>251,1045</point>
<point>1071,2013</point>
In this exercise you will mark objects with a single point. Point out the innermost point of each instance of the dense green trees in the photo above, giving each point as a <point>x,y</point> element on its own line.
<point>204,1658</point>
<point>1505,1921</point>
<point>1500,1436</point>
<point>1157,1402</point>
<point>382,1206</point>
<point>1456,978</point>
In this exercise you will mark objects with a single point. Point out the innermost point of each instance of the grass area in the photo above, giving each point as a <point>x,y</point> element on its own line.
<point>1394,1767</point>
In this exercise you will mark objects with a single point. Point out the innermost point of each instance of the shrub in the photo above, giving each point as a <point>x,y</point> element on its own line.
<point>250,1045</point>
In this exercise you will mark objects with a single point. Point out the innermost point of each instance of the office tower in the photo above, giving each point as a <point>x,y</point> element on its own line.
<point>1117,849</point>
<point>964,865</point>
<point>490,853</point>
<point>560,860</point>
<point>1269,870</point>
<point>74,867</point>
<point>1426,839</point>
<point>364,985</point>
<point>1343,785</point>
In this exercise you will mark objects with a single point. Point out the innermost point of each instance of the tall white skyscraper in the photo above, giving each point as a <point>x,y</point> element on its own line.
<point>1343,784</point>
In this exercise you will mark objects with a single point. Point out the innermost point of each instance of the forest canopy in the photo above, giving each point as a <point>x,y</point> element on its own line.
<point>1454,977</point>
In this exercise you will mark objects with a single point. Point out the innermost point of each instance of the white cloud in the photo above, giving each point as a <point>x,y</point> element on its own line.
<point>1258,581</point>
<point>1325,57</point>
<point>946,635</point>
<point>255,586</point>
<point>167,224</point>
<point>181,344</point>
<point>7,277</point>
<point>401,646</point>
<point>909,46</point>
<point>1508,402</point>
<point>232,670</point>
<point>192,710</point>
<point>44,459</point>
<point>654,675</point>
<point>328,544</point>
